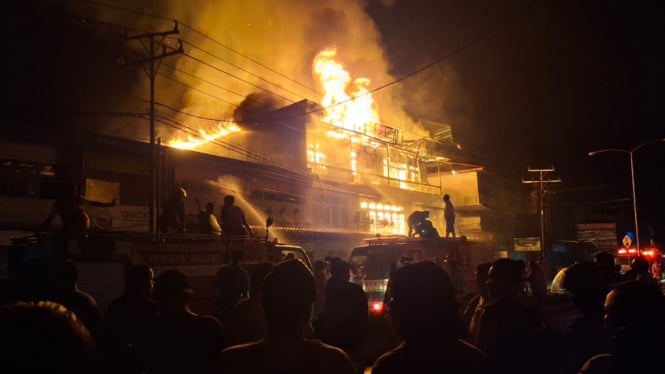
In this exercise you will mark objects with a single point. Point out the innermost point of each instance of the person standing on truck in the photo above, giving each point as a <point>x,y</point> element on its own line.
<point>75,222</point>
<point>208,222</point>
<point>233,218</point>
<point>172,218</point>
<point>449,215</point>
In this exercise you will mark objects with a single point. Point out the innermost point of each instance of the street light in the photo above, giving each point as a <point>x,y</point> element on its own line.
<point>632,179</point>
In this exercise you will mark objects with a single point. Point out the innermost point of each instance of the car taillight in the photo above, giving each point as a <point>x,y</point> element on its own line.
<point>376,307</point>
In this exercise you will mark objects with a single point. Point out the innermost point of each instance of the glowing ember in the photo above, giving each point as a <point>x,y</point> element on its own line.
<point>352,111</point>
<point>204,136</point>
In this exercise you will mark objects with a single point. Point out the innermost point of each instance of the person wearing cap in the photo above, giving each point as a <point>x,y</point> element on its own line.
<point>287,300</point>
<point>182,341</point>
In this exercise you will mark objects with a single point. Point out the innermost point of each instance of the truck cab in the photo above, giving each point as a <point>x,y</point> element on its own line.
<point>373,262</point>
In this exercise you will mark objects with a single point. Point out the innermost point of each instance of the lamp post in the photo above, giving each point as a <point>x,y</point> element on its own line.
<point>632,179</point>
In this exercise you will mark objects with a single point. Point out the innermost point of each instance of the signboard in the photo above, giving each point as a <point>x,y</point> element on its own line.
<point>627,241</point>
<point>602,235</point>
<point>528,244</point>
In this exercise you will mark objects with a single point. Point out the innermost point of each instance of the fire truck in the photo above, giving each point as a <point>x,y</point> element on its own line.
<point>624,256</point>
<point>103,258</point>
<point>373,262</point>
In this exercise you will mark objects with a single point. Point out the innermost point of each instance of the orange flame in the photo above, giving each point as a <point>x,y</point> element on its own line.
<point>222,130</point>
<point>355,111</point>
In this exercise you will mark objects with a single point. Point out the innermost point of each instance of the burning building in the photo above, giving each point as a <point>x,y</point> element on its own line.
<point>329,169</point>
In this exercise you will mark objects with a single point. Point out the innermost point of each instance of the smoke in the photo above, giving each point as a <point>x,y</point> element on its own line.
<point>259,46</point>
<point>255,110</point>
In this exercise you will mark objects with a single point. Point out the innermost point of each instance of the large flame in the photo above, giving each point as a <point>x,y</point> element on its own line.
<point>222,130</point>
<point>352,111</point>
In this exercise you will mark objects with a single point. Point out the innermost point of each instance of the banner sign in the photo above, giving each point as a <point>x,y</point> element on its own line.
<point>528,244</point>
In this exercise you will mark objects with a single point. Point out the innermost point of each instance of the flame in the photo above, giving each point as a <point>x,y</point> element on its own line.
<point>222,130</point>
<point>351,111</point>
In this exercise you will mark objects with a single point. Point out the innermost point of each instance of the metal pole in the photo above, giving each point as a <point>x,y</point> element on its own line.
<point>632,180</point>
<point>153,153</point>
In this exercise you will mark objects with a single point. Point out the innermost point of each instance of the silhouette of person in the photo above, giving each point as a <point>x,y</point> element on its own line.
<point>44,336</point>
<point>584,336</point>
<point>128,321</point>
<point>449,216</point>
<point>321,280</point>
<point>635,325</point>
<point>639,271</point>
<point>424,312</point>
<point>232,284</point>
<point>510,323</point>
<point>415,221</point>
<point>172,217</point>
<point>606,261</point>
<point>208,221</point>
<point>472,311</point>
<point>344,320</point>
<point>287,299</point>
<point>247,321</point>
<point>181,341</point>
<point>63,277</point>
<point>537,284</point>
<point>456,276</point>
<point>233,218</point>
<point>69,205</point>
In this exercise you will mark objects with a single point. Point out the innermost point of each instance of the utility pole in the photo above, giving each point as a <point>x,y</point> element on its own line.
<point>151,39</point>
<point>544,179</point>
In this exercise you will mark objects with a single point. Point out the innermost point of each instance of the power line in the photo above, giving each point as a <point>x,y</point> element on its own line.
<point>193,115</point>
<point>197,90</point>
<point>241,68</point>
<point>236,77</point>
<point>136,12</point>
<point>203,80</point>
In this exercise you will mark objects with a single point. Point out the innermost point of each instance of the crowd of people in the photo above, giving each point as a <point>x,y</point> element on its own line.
<point>286,318</point>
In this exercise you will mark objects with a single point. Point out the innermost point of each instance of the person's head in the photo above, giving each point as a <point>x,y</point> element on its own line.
<point>640,265</point>
<point>604,258</point>
<point>288,296</point>
<point>482,276</point>
<point>339,269</point>
<point>588,285</point>
<point>505,278</point>
<point>229,200</point>
<point>172,291</point>
<point>634,318</point>
<point>210,207</point>
<point>139,281</point>
<point>423,305</point>
<point>44,336</point>
<point>446,197</point>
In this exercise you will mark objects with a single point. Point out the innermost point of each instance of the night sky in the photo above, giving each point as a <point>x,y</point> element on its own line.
<point>544,83</point>
<point>528,84</point>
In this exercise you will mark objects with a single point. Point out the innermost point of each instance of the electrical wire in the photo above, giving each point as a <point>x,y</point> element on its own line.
<point>197,90</point>
<point>192,29</point>
<point>240,68</point>
<point>237,77</point>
